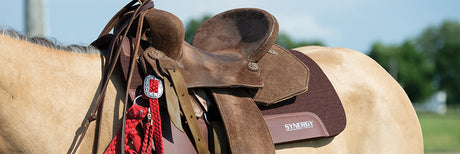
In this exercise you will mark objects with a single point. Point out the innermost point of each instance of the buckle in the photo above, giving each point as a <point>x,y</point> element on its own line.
<point>152,94</point>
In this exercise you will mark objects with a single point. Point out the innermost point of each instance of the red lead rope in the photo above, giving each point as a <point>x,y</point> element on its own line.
<point>152,128</point>
<point>155,121</point>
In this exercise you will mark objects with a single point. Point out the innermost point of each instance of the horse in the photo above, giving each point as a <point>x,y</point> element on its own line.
<point>47,91</point>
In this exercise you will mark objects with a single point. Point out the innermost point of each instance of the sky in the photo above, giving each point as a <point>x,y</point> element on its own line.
<point>354,24</point>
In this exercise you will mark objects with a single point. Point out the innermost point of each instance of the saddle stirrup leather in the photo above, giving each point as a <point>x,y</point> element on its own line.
<point>186,106</point>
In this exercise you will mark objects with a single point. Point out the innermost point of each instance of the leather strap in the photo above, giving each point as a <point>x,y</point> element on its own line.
<point>243,121</point>
<point>186,106</point>
<point>130,72</point>
<point>172,104</point>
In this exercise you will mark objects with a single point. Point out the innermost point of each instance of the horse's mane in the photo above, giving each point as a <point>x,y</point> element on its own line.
<point>50,43</point>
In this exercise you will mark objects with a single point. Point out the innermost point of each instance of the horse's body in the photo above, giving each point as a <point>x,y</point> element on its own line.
<point>46,94</point>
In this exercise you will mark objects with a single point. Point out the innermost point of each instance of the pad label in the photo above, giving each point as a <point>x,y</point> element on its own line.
<point>298,125</point>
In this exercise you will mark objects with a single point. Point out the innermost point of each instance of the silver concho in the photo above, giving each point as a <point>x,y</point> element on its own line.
<point>147,87</point>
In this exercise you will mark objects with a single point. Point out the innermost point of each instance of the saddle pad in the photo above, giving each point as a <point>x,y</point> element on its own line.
<point>315,113</point>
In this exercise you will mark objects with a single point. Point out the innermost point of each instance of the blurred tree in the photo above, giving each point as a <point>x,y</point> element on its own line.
<point>192,26</point>
<point>283,39</point>
<point>442,47</point>
<point>287,42</point>
<point>425,64</point>
<point>408,66</point>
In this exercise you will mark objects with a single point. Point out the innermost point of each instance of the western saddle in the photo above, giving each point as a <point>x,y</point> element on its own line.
<point>232,90</point>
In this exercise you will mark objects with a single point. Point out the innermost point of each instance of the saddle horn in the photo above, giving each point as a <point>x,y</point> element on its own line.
<point>163,30</point>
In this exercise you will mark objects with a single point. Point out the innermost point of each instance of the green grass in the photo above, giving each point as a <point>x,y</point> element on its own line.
<point>441,133</point>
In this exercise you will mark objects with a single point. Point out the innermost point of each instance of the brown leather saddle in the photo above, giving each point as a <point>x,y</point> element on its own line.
<point>232,90</point>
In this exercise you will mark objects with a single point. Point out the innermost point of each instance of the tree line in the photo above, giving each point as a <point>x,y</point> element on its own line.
<point>425,64</point>
<point>422,65</point>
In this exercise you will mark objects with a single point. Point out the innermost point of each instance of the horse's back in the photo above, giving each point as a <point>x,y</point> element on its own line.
<point>380,117</point>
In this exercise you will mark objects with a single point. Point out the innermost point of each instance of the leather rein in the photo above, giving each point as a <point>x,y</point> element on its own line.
<point>112,58</point>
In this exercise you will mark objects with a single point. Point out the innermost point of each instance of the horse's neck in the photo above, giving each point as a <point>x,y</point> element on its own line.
<point>47,91</point>
<point>30,68</point>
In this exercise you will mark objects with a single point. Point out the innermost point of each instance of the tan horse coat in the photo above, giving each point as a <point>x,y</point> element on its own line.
<point>45,95</point>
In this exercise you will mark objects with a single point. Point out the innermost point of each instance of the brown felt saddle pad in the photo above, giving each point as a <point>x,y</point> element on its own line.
<point>290,120</point>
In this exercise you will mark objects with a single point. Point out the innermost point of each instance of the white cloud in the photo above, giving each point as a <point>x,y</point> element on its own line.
<point>306,27</point>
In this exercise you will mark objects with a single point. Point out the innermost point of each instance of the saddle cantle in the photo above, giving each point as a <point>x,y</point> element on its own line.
<point>232,71</point>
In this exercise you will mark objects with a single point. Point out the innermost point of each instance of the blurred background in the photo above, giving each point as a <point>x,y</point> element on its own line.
<point>416,41</point>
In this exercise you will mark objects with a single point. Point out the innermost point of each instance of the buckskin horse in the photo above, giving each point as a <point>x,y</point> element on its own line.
<point>48,90</point>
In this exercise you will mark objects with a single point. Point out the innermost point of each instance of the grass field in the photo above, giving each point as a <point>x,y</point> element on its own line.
<point>441,133</point>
